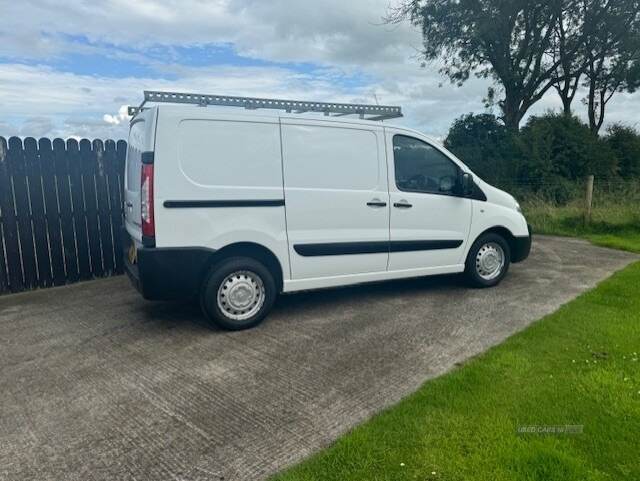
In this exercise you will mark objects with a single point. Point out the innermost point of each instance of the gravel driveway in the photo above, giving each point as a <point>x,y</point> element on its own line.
<point>97,383</point>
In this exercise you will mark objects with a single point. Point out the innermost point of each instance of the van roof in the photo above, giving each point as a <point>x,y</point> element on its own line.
<point>336,109</point>
<point>215,112</point>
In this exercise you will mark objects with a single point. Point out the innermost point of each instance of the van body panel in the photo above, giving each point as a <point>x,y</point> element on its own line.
<point>331,173</point>
<point>294,285</point>
<point>430,217</point>
<point>498,211</point>
<point>218,181</point>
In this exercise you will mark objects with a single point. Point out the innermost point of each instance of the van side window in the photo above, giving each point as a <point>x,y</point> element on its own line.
<point>419,167</point>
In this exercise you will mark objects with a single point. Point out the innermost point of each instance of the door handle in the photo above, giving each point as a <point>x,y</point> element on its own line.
<point>403,204</point>
<point>376,203</point>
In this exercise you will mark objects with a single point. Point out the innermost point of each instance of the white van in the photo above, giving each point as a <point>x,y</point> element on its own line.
<point>233,207</point>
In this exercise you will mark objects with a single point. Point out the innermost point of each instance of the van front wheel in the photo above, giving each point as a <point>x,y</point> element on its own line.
<point>488,260</point>
<point>238,293</point>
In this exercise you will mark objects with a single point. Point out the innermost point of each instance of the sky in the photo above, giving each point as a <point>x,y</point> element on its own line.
<point>69,69</point>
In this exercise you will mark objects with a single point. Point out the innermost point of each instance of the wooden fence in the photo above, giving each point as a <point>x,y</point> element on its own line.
<point>60,211</point>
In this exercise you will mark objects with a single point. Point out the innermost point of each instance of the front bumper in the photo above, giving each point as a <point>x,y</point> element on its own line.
<point>521,247</point>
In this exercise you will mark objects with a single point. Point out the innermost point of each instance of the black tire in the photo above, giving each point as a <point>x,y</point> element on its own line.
<point>249,270</point>
<point>473,266</point>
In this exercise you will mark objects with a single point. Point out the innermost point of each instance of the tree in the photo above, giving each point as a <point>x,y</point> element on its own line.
<point>484,144</point>
<point>568,49</point>
<point>613,54</point>
<point>507,40</point>
<point>625,143</point>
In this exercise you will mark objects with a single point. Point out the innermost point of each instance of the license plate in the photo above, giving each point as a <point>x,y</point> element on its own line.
<point>133,254</point>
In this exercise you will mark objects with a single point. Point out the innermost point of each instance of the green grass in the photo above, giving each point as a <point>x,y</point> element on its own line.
<point>614,225</point>
<point>578,366</point>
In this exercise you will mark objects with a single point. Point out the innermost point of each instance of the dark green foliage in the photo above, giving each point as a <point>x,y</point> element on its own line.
<point>612,45</point>
<point>485,145</point>
<point>507,41</point>
<point>625,143</point>
<point>530,46</point>
<point>549,157</point>
<point>557,146</point>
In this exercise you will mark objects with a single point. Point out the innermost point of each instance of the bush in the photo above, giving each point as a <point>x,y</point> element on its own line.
<point>484,144</point>
<point>548,160</point>
<point>557,146</point>
<point>625,143</point>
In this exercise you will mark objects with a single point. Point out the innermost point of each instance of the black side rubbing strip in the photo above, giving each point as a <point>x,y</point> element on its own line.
<point>186,204</point>
<point>424,245</point>
<point>376,247</point>
<point>341,248</point>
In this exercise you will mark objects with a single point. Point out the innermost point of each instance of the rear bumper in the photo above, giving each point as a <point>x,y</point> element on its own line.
<point>168,273</point>
<point>521,247</point>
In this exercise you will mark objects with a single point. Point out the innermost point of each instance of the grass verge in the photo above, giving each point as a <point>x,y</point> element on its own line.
<point>578,366</point>
<point>614,225</point>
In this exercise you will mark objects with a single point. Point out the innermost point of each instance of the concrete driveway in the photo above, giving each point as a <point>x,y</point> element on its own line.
<point>97,383</point>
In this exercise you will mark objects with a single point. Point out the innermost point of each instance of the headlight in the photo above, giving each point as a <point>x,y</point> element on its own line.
<point>516,204</point>
<point>518,208</point>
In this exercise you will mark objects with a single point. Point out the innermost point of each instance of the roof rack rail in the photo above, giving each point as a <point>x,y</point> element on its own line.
<point>334,109</point>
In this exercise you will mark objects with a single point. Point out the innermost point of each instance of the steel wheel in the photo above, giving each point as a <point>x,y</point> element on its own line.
<point>241,295</point>
<point>490,261</point>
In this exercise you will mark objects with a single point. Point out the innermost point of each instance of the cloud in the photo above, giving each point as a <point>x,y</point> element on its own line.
<point>38,100</point>
<point>121,117</point>
<point>90,105</point>
<point>349,55</point>
<point>336,32</point>
<point>36,126</point>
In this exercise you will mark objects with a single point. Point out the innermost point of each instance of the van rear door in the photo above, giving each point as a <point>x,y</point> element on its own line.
<point>141,133</point>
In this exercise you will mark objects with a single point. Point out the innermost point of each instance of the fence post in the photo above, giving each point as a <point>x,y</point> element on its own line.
<point>588,199</point>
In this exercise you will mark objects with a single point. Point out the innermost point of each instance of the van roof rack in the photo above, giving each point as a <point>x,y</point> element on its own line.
<point>334,109</point>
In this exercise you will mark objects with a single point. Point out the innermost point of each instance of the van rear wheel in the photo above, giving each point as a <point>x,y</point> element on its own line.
<point>238,293</point>
<point>488,260</point>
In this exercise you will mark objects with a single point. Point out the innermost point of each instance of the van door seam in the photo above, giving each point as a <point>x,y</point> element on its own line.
<point>386,162</point>
<point>284,196</point>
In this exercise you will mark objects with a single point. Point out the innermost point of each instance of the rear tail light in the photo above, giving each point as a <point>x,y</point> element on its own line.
<point>146,201</point>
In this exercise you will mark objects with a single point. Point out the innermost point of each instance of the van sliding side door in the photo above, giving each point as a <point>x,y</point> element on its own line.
<point>337,201</point>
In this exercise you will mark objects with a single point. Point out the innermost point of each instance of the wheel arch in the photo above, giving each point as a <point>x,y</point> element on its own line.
<point>253,250</point>
<point>503,232</point>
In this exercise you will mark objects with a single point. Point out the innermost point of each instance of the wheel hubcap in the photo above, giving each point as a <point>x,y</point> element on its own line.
<point>490,261</point>
<point>241,295</point>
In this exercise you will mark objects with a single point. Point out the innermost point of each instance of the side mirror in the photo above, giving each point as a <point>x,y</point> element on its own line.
<point>466,184</point>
